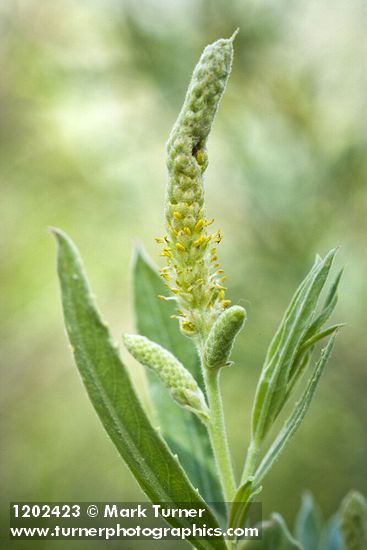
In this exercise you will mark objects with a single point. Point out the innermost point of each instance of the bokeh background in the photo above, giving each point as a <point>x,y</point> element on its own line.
<point>88,94</point>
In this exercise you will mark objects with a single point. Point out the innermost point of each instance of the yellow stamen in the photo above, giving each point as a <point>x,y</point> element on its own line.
<point>199,225</point>
<point>188,326</point>
<point>200,241</point>
<point>187,231</point>
<point>226,303</point>
<point>217,236</point>
<point>177,215</point>
<point>160,240</point>
<point>180,247</point>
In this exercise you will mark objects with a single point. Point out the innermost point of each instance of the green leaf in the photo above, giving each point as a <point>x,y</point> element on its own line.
<point>331,538</point>
<point>110,390</point>
<point>184,433</point>
<point>278,372</point>
<point>321,335</point>
<point>308,524</point>
<point>329,306</point>
<point>275,536</point>
<point>241,503</point>
<point>353,521</point>
<point>296,416</point>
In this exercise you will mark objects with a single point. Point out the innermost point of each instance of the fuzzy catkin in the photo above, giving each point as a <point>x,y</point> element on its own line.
<point>192,273</point>
<point>221,338</point>
<point>353,521</point>
<point>181,384</point>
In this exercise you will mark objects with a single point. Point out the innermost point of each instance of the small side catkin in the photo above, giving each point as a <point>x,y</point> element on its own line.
<point>218,346</point>
<point>181,384</point>
<point>192,272</point>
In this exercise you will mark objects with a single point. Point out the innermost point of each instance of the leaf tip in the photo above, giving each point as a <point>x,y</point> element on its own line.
<point>58,234</point>
<point>232,38</point>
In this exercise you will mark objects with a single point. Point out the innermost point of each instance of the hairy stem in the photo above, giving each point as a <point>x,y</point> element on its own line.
<point>218,433</point>
<point>251,460</point>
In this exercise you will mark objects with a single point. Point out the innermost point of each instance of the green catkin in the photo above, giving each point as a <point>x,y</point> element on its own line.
<point>353,521</point>
<point>171,372</point>
<point>192,273</point>
<point>218,346</point>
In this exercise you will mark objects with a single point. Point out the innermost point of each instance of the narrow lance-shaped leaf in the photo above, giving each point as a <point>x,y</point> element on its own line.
<point>308,523</point>
<point>296,416</point>
<point>331,538</point>
<point>329,306</point>
<point>275,536</point>
<point>241,503</point>
<point>183,431</point>
<point>110,390</point>
<point>274,380</point>
<point>312,336</point>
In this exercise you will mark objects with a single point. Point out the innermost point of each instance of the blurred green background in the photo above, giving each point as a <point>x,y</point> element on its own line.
<point>88,94</point>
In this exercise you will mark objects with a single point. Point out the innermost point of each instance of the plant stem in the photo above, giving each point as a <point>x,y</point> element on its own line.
<point>251,459</point>
<point>218,434</point>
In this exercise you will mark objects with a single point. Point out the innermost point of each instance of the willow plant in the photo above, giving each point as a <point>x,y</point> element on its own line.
<point>181,454</point>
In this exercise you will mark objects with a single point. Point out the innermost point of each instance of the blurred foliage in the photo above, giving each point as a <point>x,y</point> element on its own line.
<point>88,94</point>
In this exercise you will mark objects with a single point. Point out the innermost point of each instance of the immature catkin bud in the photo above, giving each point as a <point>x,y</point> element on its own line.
<point>220,341</point>
<point>353,521</point>
<point>175,377</point>
<point>189,249</point>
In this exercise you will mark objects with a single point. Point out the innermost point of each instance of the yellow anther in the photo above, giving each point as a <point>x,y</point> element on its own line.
<point>217,237</point>
<point>209,222</point>
<point>222,279</point>
<point>161,297</point>
<point>165,276</point>
<point>180,247</point>
<point>220,271</point>
<point>214,258</point>
<point>188,326</point>
<point>226,303</point>
<point>221,295</point>
<point>199,281</point>
<point>174,290</point>
<point>166,252</point>
<point>159,240</point>
<point>187,231</point>
<point>177,215</point>
<point>221,287</point>
<point>200,241</point>
<point>199,225</point>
